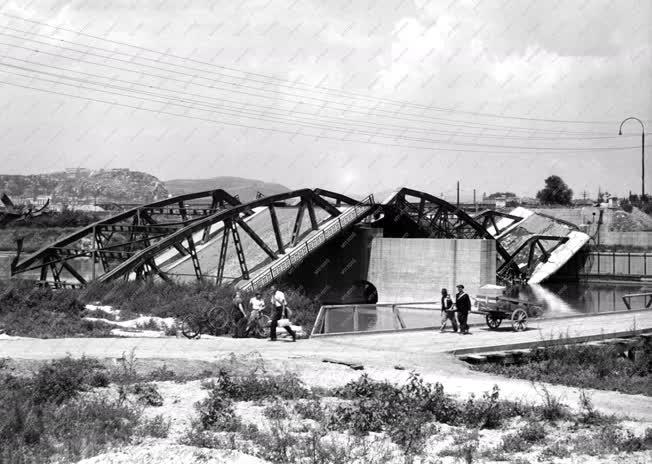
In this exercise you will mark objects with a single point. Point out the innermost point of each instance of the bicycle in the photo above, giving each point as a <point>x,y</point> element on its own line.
<point>259,325</point>
<point>217,320</point>
<point>213,321</point>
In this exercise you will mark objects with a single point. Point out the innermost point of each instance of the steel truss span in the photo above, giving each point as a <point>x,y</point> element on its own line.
<point>263,232</point>
<point>436,218</point>
<point>112,241</point>
<point>211,236</point>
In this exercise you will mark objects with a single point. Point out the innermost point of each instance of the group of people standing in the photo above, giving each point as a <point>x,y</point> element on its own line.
<point>280,312</point>
<point>461,306</point>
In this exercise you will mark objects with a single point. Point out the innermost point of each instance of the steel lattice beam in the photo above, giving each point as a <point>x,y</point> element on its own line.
<point>113,238</point>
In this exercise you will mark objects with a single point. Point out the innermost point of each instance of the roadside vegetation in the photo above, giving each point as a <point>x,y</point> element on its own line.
<point>26,310</point>
<point>368,421</point>
<point>70,409</point>
<point>585,366</point>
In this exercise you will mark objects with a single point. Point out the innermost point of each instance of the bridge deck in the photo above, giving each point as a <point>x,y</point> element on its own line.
<point>405,348</point>
<point>254,255</point>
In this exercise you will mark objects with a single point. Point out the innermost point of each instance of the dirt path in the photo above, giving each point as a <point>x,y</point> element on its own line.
<point>423,352</point>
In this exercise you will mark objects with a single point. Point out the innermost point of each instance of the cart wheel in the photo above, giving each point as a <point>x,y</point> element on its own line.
<point>519,320</point>
<point>191,326</point>
<point>218,320</point>
<point>261,326</point>
<point>493,321</point>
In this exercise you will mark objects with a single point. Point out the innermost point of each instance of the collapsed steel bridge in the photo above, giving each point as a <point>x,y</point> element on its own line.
<point>212,236</point>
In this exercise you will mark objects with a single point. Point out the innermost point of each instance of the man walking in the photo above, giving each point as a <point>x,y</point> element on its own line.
<point>279,311</point>
<point>447,311</point>
<point>463,306</point>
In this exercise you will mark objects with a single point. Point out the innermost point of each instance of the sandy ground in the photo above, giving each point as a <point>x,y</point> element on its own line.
<point>425,352</point>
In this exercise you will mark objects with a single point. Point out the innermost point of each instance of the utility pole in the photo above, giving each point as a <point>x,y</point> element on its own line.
<point>475,205</point>
<point>458,193</point>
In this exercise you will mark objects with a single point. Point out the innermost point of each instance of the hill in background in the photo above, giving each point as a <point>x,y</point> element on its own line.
<point>246,189</point>
<point>85,186</point>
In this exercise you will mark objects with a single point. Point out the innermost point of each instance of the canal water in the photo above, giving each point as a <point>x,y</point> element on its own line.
<point>558,298</point>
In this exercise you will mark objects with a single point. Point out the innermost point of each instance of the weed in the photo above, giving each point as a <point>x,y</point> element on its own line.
<point>552,409</point>
<point>523,439</point>
<point>583,366</point>
<point>216,413</point>
<point>465,446</point>
<point>555,450</point>
<point>250,387</point>
<point>157,427</point>
<point>147,394</point>
<point>162,374</point>
<point>151,324</point>
<point>63,379</point>
<point>309,409</point>
<point>38,423</point>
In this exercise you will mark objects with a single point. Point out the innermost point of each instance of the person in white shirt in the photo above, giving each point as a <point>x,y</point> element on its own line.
<point>279,311</point>
<point>256,303</point>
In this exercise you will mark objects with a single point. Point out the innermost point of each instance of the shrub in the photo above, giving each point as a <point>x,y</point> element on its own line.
<point>583,366</point>
<point>162,373</point>
<point>465,446</point>
<point>147,394</point>
<point>533,432</point>
<point>37,424</point>
<point>157,427</point>
<point>310,409</point>
<point>63,379</point>
<point>29,311</point>
<point>552,409</point>
<point>252,387</point>
<point>216,413</point>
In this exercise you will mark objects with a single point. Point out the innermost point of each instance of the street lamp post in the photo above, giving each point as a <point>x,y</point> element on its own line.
<point>620,132</point>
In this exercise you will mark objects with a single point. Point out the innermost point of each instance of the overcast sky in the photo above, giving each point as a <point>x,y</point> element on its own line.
<point>362,95</point>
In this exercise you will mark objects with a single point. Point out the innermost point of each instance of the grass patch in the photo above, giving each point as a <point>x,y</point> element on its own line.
<point>372,421</point>
<point>26,310</point>
<point>583,366</point>
<point>53,416</point>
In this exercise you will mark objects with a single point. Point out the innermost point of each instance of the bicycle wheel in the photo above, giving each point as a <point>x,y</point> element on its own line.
<point>191,326</point>
<point>218,320</point>
<point>260,327</point>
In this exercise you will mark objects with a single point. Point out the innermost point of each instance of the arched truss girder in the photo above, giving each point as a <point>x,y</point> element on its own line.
<point>534,250</point>
<point>490,219</point>
<point>439,219</point>
<point>113,240</point>
<point>143,263</point>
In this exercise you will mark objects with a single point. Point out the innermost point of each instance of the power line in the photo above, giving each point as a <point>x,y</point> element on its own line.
<point>229,123</point>
<point>221,110</point>
<point>283,82</point>
<point>269,109</point>
<point>323,102</point>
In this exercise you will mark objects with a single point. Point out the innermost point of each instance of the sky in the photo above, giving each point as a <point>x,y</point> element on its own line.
<point>355,96</point>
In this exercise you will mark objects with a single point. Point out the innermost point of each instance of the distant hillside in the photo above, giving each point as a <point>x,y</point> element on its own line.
<point>110,185</point>
<point>246,189</point>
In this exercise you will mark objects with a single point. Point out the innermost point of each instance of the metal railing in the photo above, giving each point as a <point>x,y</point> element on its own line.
<point>647,299</point>
<point>297,255</point>
<point>376,318</point>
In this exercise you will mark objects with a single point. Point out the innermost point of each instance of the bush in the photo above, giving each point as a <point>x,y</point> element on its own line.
<point>147,394</point>
<point>583,366</point>
<point>216,413</point>
<point>157,427</point>
<point>252,387</point>
<point>63,379</point>
<point>310,409</point>
<point>533,432</point>
<point>162,373</point>
<point>39,421</point>
<point>29,311</point>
